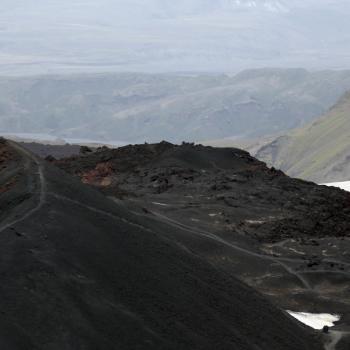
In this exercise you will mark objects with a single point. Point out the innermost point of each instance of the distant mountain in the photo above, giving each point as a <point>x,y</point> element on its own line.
<point>140,107</point>
<point>164,35</point>
<point>319,151</point>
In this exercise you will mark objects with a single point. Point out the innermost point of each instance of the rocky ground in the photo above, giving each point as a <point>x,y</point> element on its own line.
<point>81,271</point>
<point>285,237</point>
<point>255,200</point>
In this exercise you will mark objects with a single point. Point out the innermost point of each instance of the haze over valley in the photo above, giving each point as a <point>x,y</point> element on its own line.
<point>51,36</point>
<point>174,175</point>
<point>141,108</point>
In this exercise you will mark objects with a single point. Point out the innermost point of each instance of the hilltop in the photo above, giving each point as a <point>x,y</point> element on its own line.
<point>79,271</point>
<point>286,238</point>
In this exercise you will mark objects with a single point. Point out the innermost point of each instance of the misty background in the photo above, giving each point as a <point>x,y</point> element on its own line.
<point>197,70</point>
<point>50,36</point>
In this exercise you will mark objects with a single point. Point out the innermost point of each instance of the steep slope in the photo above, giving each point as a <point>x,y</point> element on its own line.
<point>287,238</point>
<point>225,174</point>
<point>140,107</point>
<point>79,271</point>
<point>319,152</point>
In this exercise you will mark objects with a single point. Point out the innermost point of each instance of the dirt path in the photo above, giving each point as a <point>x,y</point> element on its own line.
<point>218,239</point>
<point>42,185</point>
<point>99,211</point>
<point>42,198</point>
<point>280,261</point>
<point>29,159</point>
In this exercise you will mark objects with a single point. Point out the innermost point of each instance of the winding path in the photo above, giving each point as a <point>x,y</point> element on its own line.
<point>42,186</point>
<point>43,194</point>
<point>335,336</point>
<point>99,211</point>
<point>206,234</point>
<point>280,261</point>
<point>216,238</point>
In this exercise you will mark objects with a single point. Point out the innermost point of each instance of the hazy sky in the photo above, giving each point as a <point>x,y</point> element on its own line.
<point>41,36</point>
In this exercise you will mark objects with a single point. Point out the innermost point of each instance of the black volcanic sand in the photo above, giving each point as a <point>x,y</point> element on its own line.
<point>288,238</point>
<point>79,271</point>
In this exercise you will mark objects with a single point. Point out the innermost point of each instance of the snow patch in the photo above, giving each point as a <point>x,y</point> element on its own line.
<point>345,185</point>
<point>315,321</point>
<point>161,204</point>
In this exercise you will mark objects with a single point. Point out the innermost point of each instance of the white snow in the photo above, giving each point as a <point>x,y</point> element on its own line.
<point>345,185</point>
<point>315,321</point>
<point>161,204</point>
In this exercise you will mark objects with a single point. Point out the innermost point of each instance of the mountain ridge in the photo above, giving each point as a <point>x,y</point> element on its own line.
<point>318,151</point>
<point>142,107</point>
